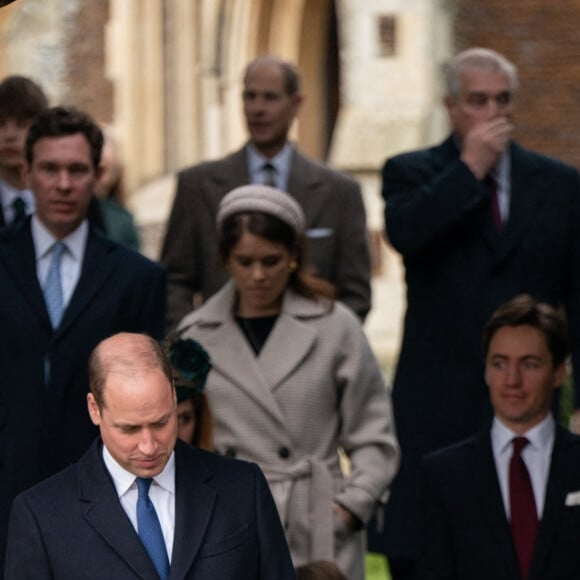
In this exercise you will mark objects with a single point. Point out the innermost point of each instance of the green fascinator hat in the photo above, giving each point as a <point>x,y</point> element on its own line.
<point>191,365</point>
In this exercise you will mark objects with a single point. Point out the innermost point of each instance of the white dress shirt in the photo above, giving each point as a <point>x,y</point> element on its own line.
<point>536,454</point>
<point>72,259</point>
<point>7,196</point>
<point>280,162</point>
<point>161,494</point>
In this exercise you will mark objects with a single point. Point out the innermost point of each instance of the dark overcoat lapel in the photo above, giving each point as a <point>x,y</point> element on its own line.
<point>488,501</point>
<point>19,257</point>
<point>194,506</point>
<point>103,512</point>
<point>560,482</point>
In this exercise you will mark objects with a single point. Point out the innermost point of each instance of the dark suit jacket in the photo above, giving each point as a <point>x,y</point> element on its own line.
<point>44,423</point>
<point>337,249</point>
<point>466,532</point>
<point>458,271</point>
<point>73,525</point>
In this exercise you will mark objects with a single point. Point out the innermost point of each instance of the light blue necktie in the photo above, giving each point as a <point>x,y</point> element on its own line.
<point>149,529</point>
<point>52,286</point>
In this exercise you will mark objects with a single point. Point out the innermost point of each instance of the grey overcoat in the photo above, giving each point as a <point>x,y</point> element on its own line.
<point>314,388</point>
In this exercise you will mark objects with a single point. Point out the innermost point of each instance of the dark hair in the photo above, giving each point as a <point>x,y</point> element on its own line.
<point>276,231</point>
<point>203,430</point>
<point>524,310</point>
<point>321,570</point>
<point>143,352</point>
<point>21,98</point>
<point>60,122</point>
<point>290,72</point>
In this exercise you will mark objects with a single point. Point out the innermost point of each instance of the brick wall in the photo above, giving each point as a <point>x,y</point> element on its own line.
<point>541,37</point>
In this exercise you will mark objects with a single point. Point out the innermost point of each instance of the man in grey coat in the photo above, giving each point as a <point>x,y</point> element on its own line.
<point>336,224</point>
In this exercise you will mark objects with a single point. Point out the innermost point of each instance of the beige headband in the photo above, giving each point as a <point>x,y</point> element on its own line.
<point>264,199</point>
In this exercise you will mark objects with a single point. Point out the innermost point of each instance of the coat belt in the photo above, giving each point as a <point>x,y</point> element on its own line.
<point>320,499</point>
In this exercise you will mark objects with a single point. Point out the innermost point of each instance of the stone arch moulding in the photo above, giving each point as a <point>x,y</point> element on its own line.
<point>301,31</point>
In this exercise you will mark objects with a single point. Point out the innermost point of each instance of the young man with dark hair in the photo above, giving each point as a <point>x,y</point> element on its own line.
<point>505,504</point>
<point>64,288</point>
<point>21,100</point>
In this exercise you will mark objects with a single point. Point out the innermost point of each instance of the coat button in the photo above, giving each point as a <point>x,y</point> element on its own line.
<point>230,451</point>
<point>284,452</point>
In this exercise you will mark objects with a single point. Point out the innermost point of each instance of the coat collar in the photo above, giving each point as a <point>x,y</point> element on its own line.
<point>17,252</point>
<point>307,182</point>
<point>102,510</point>
<point>194,503</point>
<point>218,309</point>
<point>293,335</point>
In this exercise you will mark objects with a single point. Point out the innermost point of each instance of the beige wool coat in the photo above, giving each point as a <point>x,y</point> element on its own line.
<point>314,388</point>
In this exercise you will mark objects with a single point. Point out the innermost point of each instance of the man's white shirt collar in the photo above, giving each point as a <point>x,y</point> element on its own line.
<point>43,240</point>
<point>8,194</point>
<point>281,162</point>
<point>541,436</point>
<point>124,479</point>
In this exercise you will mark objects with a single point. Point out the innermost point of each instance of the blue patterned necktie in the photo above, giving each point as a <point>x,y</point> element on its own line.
<point>149,529</point>
<point>52,286</point>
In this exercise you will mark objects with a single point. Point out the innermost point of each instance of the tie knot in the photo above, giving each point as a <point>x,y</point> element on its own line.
<point>58,249</point>
<point>143,485</point>
<point>19,204</point>
<point>270,174</point>
<point>19,207</point>
<point>519,443</point>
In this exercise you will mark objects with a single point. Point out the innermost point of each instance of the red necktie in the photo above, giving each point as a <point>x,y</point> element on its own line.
<point>491,183</point>
<point>524,517</point>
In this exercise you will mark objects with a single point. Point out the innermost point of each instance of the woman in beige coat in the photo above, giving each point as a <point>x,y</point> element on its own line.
<point>294,382</point>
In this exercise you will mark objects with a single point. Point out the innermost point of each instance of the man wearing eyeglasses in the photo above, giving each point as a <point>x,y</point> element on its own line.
<point>477,219</point>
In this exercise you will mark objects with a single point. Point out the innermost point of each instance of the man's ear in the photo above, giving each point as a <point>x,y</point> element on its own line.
<point>297,101</point>
<point>560,374</point>
<point>94,411</point>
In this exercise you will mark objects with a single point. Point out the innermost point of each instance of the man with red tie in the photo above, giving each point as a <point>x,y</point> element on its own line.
<point>477,219</point>
<point>505,504</point>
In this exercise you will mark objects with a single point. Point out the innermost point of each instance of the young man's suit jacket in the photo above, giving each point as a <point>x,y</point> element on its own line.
<point>44,422</point>
<point>337,245</point>
<point>466,531</point>
<point>458,271</point>
<point>73,525</point>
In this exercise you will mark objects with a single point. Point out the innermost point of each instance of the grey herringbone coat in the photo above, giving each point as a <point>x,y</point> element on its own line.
<point>315,387</point>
